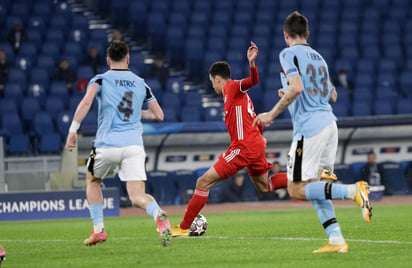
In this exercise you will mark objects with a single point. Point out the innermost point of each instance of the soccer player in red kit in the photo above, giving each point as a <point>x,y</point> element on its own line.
<point>247,147</point>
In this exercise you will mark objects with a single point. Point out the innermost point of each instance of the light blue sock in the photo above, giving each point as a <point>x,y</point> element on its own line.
<point>96,213</point>
<point>326,214</point>
<point>152,209</point>
<point>322,190</point>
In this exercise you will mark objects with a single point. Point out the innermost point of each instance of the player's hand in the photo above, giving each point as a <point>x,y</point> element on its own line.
<point>264,119</point>
<point>252,52</point>
<point>71,141</point>
<point>281,92</point>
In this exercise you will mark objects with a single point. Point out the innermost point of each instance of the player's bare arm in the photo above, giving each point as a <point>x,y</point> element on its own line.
<point>154,112</point>
<point>295,88</point>
<point>333,96</point>
<point>281,92</point>
<point>252,54</point>
<point>81,112</point>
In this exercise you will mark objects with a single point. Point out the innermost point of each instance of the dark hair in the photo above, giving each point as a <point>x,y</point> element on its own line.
<point>221,68</point>
<point>117,50</point>
<point>296,25</point>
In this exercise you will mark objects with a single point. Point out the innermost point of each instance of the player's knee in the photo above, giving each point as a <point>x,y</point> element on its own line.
<point>295,192</point>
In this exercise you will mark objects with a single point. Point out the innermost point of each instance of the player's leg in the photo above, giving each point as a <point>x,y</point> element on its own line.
<point>99,164</point>
<point>139,198</point>
<point>320,151</point>
<point>2,254</point>
<point>303,171</point>
<point>200,196</point>
<point>258,172</point>
<point>132,170</point>
<point>95,202</point>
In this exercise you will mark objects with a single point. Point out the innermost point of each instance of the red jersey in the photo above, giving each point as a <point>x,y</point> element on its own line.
<point>239,113</point>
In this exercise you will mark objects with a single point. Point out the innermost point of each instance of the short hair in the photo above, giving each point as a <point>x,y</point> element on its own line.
<point>221,68</point>
<point>117,50</point>
<point>296,25</point>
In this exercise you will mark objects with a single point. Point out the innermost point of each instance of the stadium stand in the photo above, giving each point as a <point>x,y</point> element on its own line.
<point>370,39</point>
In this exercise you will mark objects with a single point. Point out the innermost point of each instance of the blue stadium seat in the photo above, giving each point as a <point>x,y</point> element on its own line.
<point>364,80</point>
<point>85,72</point>
<point>19,145</point>
<point>40,76</point>
<point>162,187</point>
<point>99,35</point>
<point>387,65</point>
<point>29,107</point>
<point>36,38</point>
<point>42,9</point>
<point>28,49</point>
<point>395,178</point>
<point>214,113</point>
<point>190,114</point>
<point>75,49</point>
<point>63,121</point>
<point>59,89</point>
<point>51,49</point>
<point>59,22</point>
<point>43,123</point>
<point>340,109</point>
<point>344,174</point>
<point>35,23</point>
<point>89,124</point>
<point>19,9</point>
<point>55,36</point>
<point>17,76</point>
<point>170,100</point>
<point>37,91</point>
<point>355,169</point>
<point>8,106</point>
<point>383,107</point>
<point>138,13</point>
<point>12,124</point>
<point>170,115</point>
<point>175,84</point>
<point>175,38</point>
<point>50,143</point>
<point>185,180</point>
<point>47,62</point>
<point>54,105</point>
<point>404,106</point>
<point>80,21</point>
<point>361,108</point>
<point>156,31</point>
<point>79,36</point>
<point>13,91</point>
<point>154,85</point>
<point>8,49</point>
<point>178,20</point>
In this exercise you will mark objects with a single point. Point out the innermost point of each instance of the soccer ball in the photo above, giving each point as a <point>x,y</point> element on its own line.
<point>199,226</point>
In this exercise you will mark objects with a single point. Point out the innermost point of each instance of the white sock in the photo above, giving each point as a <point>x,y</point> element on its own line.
<point>336,240</point>
<point>98,228</point>
<point>351,191</point>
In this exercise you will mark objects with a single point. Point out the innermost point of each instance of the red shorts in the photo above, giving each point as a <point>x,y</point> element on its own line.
<point>235,159</point>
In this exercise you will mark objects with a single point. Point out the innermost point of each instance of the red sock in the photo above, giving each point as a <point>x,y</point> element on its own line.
<point>277,181</point>
<point>195,205</point>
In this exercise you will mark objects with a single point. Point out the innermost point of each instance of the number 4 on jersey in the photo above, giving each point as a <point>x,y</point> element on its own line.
<point>125,106</point>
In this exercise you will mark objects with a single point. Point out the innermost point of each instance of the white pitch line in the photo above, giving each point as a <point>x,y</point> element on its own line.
<point>222,238</point>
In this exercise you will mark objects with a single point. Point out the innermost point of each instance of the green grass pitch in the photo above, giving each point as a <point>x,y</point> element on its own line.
<point>271,238</point>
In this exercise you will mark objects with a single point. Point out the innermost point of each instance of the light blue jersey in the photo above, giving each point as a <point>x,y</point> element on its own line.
<point>120,98</point>
<point>311,111</point>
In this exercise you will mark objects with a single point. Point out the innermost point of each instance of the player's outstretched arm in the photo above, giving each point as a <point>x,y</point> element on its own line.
<point>295,88</point>
<point>81,112</point>
<point>154,112</point>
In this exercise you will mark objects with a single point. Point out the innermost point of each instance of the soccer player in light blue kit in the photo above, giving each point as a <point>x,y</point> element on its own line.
<point>307,92</point>
<point>119,143</point>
